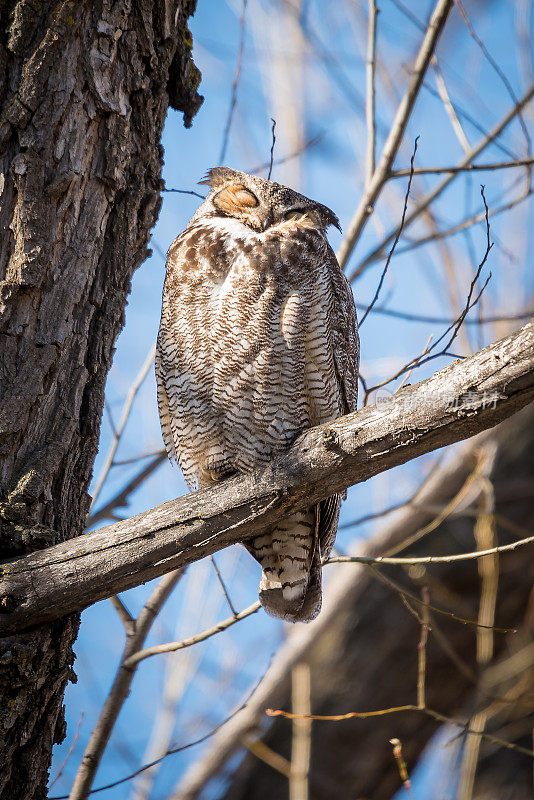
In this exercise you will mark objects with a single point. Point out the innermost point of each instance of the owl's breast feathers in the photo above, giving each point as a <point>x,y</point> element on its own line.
<point>257,342</point>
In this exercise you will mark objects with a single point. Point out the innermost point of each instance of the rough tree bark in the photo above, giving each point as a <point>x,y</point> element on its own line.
<point>84,90</point>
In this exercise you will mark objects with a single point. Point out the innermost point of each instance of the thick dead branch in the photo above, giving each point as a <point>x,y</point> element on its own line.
<point>461,400</point>
<point>367,646</point>
<point>344,591</point>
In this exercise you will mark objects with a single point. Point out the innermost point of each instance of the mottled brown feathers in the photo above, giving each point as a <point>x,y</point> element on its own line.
<point>258,341</point>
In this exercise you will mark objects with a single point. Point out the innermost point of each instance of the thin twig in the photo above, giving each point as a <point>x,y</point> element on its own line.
<point>481,467</point>
<point>170,752</point>
<point>223,586</point>
<point>235,84</point>
<point>496,68</point>
<point>449,108</point>
<point>117,434</point>
<point>408,374</point>
<point>488,570</point>
<point>69,753</point>
<point>171,647</point>
<point>520,162</point>
<point>406,315</point>
<point>121,498</point>
<point>382,712</point>
<point>271,162</point>
<point>135,459</point>
<point>421,648</point>
<point>431,353</point>
<point>401,590</point>
<point>370,94</point>
<point>185,191</point>
<point>266,754</point>
<point>401,226</point>
<point>395,710</point>
<point>473,121</point>
<point>503,548</point>
<point>470,755</point>
<point>123,612</point>
<point>401,765</point>
<point>464,225</point>
<point>284,159</point>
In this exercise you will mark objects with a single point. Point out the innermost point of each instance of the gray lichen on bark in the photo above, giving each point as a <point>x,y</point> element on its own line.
<point>84,91</point>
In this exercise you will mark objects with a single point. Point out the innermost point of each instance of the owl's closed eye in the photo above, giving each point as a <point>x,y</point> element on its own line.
<point>261,204</point>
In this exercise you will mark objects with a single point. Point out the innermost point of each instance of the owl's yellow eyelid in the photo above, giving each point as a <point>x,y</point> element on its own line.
<point>246,198</point>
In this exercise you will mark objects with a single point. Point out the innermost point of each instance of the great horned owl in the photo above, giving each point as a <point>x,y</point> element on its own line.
<point>258,341</point>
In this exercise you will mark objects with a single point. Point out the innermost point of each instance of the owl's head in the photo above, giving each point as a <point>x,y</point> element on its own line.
<point>260,204</point>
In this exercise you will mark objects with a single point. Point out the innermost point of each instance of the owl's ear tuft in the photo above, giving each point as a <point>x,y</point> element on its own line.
<point>328,217</point>
<point>215,177</point>
<point>235,200</point>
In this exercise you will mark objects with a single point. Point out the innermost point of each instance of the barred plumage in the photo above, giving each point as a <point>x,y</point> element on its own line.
<point>258,341</point>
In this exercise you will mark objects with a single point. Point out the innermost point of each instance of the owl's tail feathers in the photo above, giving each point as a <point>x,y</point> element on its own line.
<point>290,586</point>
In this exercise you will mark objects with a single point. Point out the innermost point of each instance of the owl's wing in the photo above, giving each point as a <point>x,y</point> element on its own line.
<point>346,350</point>
<point>345,339</point>
<point>163,407</point>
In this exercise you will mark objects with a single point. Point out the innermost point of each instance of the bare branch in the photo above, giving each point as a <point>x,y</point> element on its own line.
<point>272,149</point>
<point>439,189</point>
<point>69,753</point>
<point>235,84</point>
<point>431,559</point>
<point>223,586</point>
<point>406,594</point>
<point>520,162</point>
<point>401,765</point>
<point>430,352</point>
<point>395,710</point>
<point>465,223</point>
<point>370,95</point>
<point>172,647</point>
<point>301,740</point>
<point>406,315</point>
<point>121,687</point>
<point>127,619</point>
<point>284,159</point>
<point>121,499</point>
<point>171,751</point>
<point>343,591</point>
<point>449,108</point>
<point>401,226</point>
<point>496,68</point>
<point>117,434</point>
<point>394,139</point>
<point>421,661</point>
<point>185,191</point>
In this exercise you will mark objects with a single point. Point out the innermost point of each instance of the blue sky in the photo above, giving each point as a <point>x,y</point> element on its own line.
<point>326,84</point>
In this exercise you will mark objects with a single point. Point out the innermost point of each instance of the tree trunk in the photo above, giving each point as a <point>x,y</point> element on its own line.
<point>84,90</point>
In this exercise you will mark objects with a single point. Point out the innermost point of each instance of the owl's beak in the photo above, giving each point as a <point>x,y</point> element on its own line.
<point>266,218</point>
